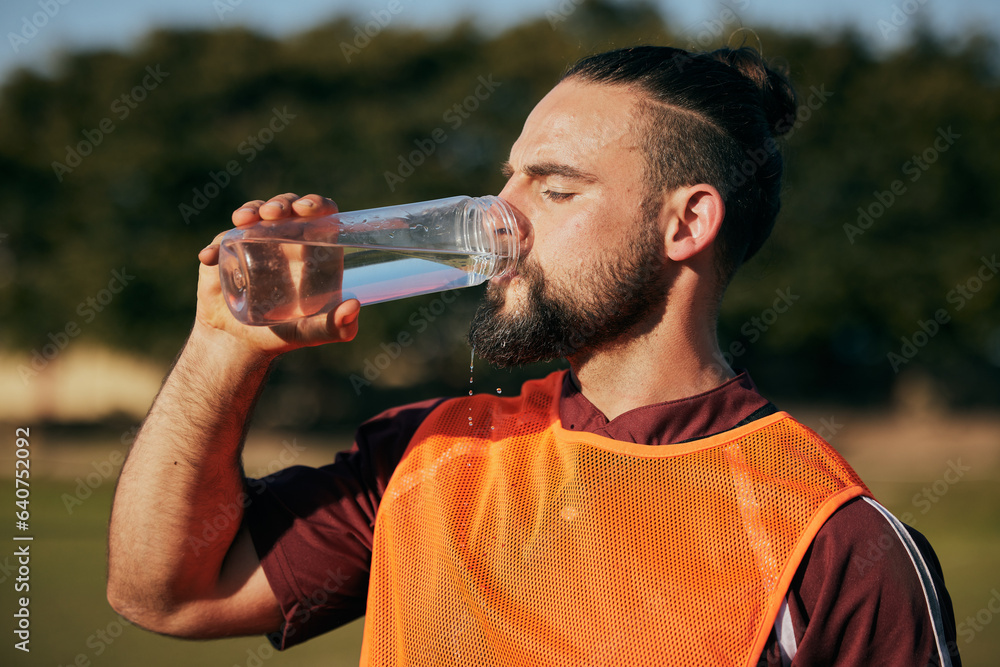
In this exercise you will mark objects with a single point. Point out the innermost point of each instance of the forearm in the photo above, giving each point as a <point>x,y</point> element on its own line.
<point>178,506</point>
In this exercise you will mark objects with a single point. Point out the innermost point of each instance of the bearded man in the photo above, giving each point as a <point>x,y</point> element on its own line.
<point>647,506</point>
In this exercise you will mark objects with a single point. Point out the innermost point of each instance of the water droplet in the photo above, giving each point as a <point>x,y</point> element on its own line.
<point>499,390</point>
<point>471,375</point>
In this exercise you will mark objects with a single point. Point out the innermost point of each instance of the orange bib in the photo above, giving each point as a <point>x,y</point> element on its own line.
<point>504,539</point>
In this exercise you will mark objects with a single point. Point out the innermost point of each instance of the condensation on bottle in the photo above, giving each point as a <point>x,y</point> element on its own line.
<point>285,270</point>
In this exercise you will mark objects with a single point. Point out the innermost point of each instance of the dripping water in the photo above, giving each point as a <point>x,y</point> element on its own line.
<point>472,359</point>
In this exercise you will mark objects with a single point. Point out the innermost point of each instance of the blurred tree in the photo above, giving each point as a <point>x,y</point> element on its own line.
<point>132,162</point>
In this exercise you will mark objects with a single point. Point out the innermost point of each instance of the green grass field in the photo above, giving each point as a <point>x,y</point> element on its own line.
<point>72,623</point>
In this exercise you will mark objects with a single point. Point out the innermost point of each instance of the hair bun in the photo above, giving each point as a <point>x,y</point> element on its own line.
<point>777,97</point>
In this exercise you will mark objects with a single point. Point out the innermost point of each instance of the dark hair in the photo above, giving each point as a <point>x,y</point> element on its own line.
<point>709,118</point>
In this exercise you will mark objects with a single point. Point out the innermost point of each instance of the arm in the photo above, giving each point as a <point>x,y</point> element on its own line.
<point>857,598</point>
<point>184,472</point>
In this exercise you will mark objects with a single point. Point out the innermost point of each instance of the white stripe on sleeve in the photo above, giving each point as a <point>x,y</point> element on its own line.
<point>923,573</point>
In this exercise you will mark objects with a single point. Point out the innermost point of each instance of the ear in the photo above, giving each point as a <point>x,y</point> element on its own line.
<point>694,218</point>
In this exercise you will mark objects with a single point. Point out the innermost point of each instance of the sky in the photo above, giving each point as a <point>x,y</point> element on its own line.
<point>36,30</point>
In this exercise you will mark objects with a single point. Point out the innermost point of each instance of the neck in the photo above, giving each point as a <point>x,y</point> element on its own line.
<point>677,358</point>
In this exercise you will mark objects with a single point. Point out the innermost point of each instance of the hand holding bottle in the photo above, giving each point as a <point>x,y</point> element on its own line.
<point>339,324</point>
<point>286,269</point>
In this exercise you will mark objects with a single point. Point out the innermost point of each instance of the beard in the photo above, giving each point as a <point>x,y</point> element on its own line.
<point>556,322</point>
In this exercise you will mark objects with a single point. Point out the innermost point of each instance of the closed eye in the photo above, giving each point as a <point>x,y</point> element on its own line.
<point>556,196</point>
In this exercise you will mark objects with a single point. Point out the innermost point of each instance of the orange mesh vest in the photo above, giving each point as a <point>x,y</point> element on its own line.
<point>504,539</point>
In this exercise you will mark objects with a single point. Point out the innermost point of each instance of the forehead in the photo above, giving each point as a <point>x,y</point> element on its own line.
<point>580,123</point>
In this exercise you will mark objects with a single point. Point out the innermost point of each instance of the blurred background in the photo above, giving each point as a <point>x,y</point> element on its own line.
<point>130,131</point>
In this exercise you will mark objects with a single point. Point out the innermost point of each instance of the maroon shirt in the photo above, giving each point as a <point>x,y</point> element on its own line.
<point>857,598</point>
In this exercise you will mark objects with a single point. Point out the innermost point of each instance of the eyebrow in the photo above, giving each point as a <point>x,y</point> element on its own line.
<point>543,169</point>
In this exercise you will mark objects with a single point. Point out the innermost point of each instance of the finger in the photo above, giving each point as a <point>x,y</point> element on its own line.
<point>209,255</point>
<point>277,207</point>
<point>339,325</point>
<point>344,319</point>
<point>314,205</point>
<point>247,214</point>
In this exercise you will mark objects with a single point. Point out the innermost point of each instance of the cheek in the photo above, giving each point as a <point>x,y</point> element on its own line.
<point>591,230</point>
<point>569,229</point>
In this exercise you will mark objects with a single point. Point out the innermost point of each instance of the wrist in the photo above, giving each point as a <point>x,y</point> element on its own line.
<point>222,346</point>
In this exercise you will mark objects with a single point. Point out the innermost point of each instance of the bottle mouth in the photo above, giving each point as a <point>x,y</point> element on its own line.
<point>501,236</point>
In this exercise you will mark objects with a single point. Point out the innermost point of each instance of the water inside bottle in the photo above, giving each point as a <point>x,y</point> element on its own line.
<point>281,282</point>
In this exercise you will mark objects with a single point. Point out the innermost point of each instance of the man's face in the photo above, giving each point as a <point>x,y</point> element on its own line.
<point>593,270</point>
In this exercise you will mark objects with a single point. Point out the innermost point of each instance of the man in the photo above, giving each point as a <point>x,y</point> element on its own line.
<point>647,507</point>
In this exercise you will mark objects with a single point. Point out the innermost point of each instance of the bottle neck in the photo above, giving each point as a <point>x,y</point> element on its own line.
<point>501,234</point>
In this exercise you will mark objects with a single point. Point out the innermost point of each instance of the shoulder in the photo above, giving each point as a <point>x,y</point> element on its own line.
<point>871,588</point>
<point>397,422</point>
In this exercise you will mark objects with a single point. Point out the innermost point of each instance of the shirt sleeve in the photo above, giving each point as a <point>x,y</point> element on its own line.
<point>313,528</point>
<point>870,591</point>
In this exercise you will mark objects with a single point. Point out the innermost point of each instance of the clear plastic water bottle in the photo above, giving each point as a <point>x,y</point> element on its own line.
<point>283,270</point>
